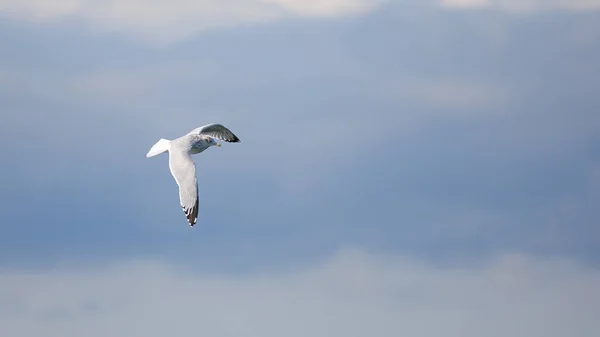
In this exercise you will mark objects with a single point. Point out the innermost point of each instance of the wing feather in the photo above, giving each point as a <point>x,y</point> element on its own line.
<point>218,131</point>
<point>183,170</point>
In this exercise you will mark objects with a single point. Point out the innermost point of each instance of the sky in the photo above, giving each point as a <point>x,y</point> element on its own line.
<point>417,168</point>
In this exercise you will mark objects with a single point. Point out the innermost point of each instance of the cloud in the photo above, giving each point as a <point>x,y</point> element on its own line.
<point>414,133</point>
<point>164,22</point>
<point>446,96</point>
<point>160,21</point>
<point>352,294</point>
<point>525,6</point>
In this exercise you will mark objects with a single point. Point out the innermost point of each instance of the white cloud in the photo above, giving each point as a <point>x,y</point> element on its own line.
<point>459,96</point>
<point>353,294</point>
<point>166,21</point>
<point>525,6</point>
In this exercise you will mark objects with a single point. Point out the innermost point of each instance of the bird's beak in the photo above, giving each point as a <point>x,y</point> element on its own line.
<point>219,144</point>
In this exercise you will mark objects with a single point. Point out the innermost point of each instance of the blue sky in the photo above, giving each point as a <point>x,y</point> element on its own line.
<point>387,147</point>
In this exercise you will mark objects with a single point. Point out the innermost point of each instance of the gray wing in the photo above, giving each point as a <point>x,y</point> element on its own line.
<point>183,170</point>
<point>218,131</point>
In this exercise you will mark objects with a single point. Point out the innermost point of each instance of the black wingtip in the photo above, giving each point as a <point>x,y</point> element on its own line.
<point>191,215</point>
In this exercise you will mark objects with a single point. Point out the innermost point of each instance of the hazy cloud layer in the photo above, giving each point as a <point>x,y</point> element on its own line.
<point>445,139</point>
<point>160,21</point>
<point>524,6</point>
<point>352,294</point>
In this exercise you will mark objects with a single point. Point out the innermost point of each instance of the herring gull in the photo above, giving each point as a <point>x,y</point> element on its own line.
<point>182,166</point>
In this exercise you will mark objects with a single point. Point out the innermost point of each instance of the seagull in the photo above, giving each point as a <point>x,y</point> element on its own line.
<point>182,166</point>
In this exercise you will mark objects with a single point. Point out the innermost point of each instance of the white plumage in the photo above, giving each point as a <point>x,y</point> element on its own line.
<point>182,166</point>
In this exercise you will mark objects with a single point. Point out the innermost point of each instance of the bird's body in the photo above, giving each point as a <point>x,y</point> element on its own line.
<point>182,166</point>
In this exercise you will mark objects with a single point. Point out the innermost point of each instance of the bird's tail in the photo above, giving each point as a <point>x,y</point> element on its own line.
<point>161,146</point>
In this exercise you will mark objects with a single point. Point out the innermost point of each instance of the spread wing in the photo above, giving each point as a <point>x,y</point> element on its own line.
<point>218,131</point>
<point>183,170</point>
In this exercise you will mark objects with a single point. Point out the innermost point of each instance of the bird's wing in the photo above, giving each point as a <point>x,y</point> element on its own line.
<point>183,170</point>
<point>218,131</point>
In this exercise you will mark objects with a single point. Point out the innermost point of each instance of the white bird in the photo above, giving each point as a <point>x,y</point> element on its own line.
<point>182,166</point>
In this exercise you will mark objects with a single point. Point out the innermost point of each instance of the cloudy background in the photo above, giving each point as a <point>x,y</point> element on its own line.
<point>416,168</point>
